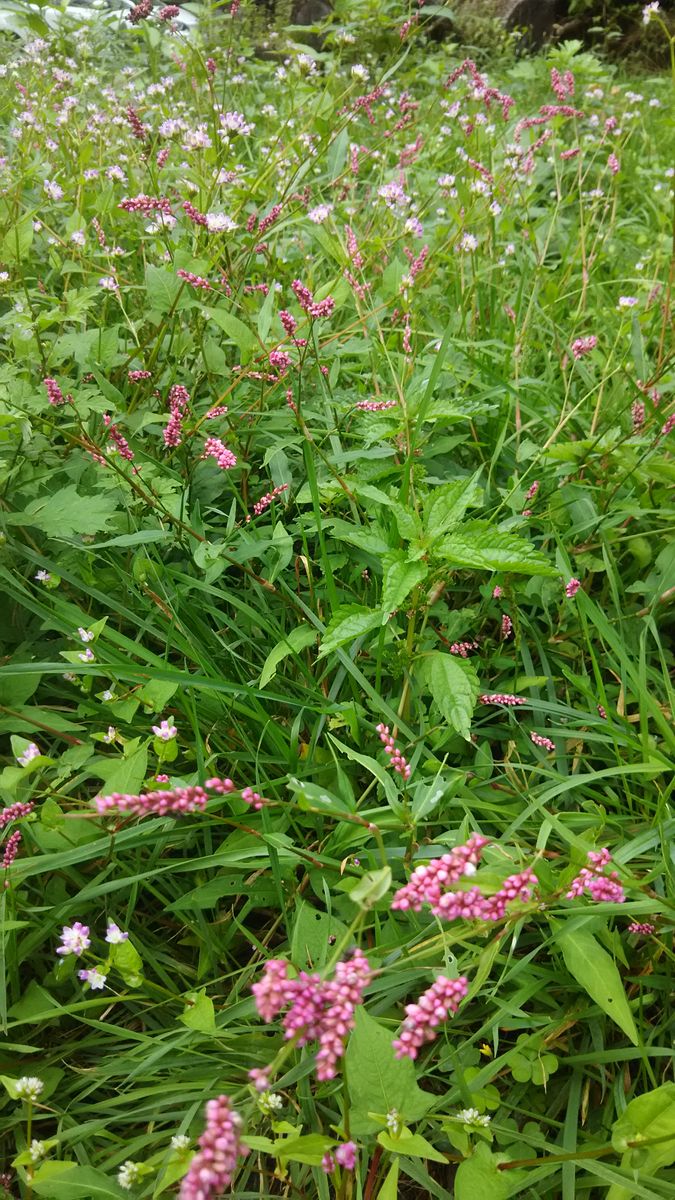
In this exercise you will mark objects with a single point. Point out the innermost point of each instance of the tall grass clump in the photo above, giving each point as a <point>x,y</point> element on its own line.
<point>336,441</point>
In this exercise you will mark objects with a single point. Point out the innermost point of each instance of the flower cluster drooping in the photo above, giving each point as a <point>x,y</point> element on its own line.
<point>179,399</point>
<point>54,393</point>
<point>197,281</point>
<point>220,1146</point>
<point>343,1156</point>
<point>15,812</point>
<point>592,880</point>
<point>375,405</point>
<point>643,928</point>
<point>318,1010</point>
<point>146,204</point>
<point>265,501</point>
<point>463,649</point>
<point>161,803</point>
<point>322,308</point>
<point>11,849</point>
<point>215,448</point>
<point>427,882</point>
<point>540,740</point>
<point>584,345</point>
<point>119,442</point>
<point>396,760</point>
<point>431,1010</point>
<point>431,883</point>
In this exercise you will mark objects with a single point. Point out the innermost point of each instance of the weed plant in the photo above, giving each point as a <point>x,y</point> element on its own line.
<point>337,420</point>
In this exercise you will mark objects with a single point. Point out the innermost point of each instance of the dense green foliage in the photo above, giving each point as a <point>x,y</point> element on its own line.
<point>244,526</point>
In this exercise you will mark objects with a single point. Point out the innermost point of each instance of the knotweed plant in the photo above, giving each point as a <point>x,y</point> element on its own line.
<point>337,425</point>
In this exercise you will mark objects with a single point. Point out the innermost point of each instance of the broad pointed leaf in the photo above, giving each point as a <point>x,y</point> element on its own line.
<point>479,545</point>
<point>453,683</point>
<point>400,577</point>
<point>349,621</point>
<point>592,967</point>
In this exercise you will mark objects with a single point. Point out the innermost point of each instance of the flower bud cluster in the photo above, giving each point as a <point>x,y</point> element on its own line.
<point>431,1010</point>
<point>600,886</point>
<point>213,1166</point>
<point>161,803</point>
<point>396,760</point>
<point>318,1010</point>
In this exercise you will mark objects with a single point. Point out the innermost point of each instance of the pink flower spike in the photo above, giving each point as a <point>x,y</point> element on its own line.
<point>213,1166</point>
<point>54,393</point>
<point>15,812</point>
<point>502,698</point>
<point>197,281</point>
<point>600,887</point>
<point>572,587</point>
<point>340,997</point>
<point>422,1019</point>
<point>345,1155</point>
<point>584,345</point>
<point>396,759</point>
<point>179,801</point>
<point>274,991</point>
<point>214,448</point>
<point>643,928</point>
<point>11,849</point>
<point>539,740</point>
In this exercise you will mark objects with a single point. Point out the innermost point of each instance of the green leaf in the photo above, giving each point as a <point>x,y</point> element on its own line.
<point>309,1149</point>
<point>447,504</point>
<point>479,545</point>
<point>199,1013</point>
<point>592,967</point>
<point>349,621</point>
<point>162,288</point>
<point>372,887</point>
<point>126,959</point>
<point>400,577</point>
<point>156,694</point>
<point>133,539</point>
<point>379,1082</point>
<point>375,768</point>
<point>413,1145</point>
<point>408,522</point>
<point>77,1183</point>
<point>313,933</point>
<point>454,685</point>
<point>389,1189</point>
<point>18,240</point>
<point>369,539</point>
<point>265,315</point>
<point>477,1177</point>
<point>298,639</point>
<point>646,1118</point>
<point>124,774</point>
<point>651,1116</point>
<point>243,337</point>
<point>65,513</point>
